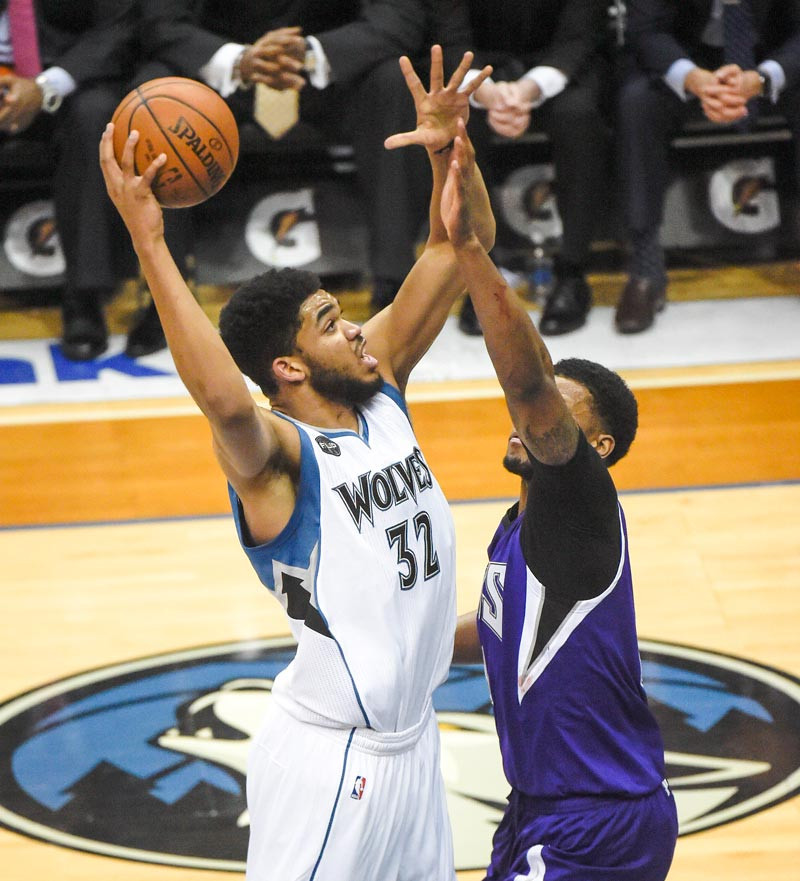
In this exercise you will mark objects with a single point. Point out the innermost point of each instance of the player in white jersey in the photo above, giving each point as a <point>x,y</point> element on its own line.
<point>343,521</point>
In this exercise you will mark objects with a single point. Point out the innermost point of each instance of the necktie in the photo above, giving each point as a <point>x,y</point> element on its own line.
<point>24,42</point>
<point>739,35</point>
<point>276,111</point>
<point>739,45</point>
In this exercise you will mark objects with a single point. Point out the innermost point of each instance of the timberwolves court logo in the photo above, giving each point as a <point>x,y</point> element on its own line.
<point>146,760</point>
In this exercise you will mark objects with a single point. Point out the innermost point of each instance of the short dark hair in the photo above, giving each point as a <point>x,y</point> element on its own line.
<point>614,402</point>
<point>261,320</point>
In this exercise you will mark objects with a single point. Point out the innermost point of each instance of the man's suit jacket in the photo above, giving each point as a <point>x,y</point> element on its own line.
<point>355,34</point>
<point>565,34</point>
<point>660,32</point>
<point>91,39</point>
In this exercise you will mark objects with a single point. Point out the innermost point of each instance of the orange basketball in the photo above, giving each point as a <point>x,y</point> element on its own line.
<point>189,122</point>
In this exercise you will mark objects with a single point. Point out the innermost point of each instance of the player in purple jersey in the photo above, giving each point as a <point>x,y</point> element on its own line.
<point>555,624</point>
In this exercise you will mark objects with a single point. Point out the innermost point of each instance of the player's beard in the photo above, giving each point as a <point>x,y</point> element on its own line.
<point>521,467</point>
<point>339,387</point>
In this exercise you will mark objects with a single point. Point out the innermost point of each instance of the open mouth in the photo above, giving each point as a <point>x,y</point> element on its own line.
<point>366,358</point>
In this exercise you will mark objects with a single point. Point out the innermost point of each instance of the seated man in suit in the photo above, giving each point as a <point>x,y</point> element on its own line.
<point>47,92</point>
<point>549,75</point>
<point>717,58</point>
<point>339,57</point>
<point>63,78</point>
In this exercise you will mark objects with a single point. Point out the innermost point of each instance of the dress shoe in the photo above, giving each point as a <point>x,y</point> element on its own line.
<point>467,319</point>
<point>567,306</point>
<point>84,335</point>
<point>384,290</point>
<point>146,336</point>
<point>640,301</point>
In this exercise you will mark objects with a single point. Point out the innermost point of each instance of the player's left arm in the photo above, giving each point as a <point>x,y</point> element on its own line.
<point>401,334</point>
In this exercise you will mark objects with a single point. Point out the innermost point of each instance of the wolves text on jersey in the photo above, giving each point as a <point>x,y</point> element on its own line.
<point>382,489</point>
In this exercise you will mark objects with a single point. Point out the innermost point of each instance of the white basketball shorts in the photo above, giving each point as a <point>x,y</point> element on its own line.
<point>329,804</point>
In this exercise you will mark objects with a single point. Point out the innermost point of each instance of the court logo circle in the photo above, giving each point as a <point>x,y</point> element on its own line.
<point>146,760</point>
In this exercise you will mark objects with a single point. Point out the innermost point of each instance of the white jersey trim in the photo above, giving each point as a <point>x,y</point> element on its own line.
<point>527,672</point>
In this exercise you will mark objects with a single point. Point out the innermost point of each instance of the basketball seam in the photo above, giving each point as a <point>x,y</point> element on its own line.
<point>186,81</point>
<point>145,103</point>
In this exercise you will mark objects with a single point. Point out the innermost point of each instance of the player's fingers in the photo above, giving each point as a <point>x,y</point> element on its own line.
<point>106,146</point>
<point>461,71</point>
<point>126,160</point>
<point>467,149</point>
<point>458,152</point>
<point>437,68</point>
<point>146,180</point>
<point>108,163</point>
<point>402,139</point>
<point>412,80</point>
<point>478,80</point>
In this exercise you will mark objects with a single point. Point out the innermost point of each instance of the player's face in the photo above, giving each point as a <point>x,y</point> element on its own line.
<point>335,352</point>
<point>516,459</point>
<point>579,402</point>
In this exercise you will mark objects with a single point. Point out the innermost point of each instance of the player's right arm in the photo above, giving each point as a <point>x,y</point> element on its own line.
<point>247,439</point>
<point>519,356</point>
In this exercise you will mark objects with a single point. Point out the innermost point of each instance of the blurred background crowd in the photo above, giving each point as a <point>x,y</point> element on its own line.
<point>600,89</point>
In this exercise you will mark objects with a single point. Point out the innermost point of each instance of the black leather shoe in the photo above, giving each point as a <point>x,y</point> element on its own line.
<point>467,319</point>
<point>567,306</point>
<point>84,335</point>
<point>146,336</point>
<point>640,300</point>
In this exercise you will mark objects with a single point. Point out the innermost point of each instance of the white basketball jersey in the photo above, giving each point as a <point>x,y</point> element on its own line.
<point>366,571</point>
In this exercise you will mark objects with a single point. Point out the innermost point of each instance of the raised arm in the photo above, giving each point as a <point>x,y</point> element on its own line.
<point>401,334</point>
<point>245,437</point>
<point>519,355</point>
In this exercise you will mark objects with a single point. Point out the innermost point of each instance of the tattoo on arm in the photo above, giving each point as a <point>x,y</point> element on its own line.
<point>554,446</point>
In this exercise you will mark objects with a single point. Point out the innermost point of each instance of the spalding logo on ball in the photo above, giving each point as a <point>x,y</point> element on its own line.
<point>189,122</point>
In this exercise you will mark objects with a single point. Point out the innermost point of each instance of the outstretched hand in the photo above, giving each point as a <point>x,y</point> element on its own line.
<point>440,109</point>
<point>132,194</point>
<point>455,202</point>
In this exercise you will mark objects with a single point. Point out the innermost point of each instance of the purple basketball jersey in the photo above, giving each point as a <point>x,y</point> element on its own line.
<point>572,720</point>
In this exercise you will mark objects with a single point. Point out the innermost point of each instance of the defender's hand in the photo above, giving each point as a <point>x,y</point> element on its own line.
<point>455,202</point>
<point>439,109</point>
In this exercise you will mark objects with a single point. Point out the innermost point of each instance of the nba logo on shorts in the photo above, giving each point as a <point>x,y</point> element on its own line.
<point>358,788</point>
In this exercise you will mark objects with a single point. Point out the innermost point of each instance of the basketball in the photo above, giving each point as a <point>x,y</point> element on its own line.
<point>192,125</point>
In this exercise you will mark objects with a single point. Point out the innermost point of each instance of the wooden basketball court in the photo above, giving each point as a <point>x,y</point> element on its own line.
<point>117,545</point>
